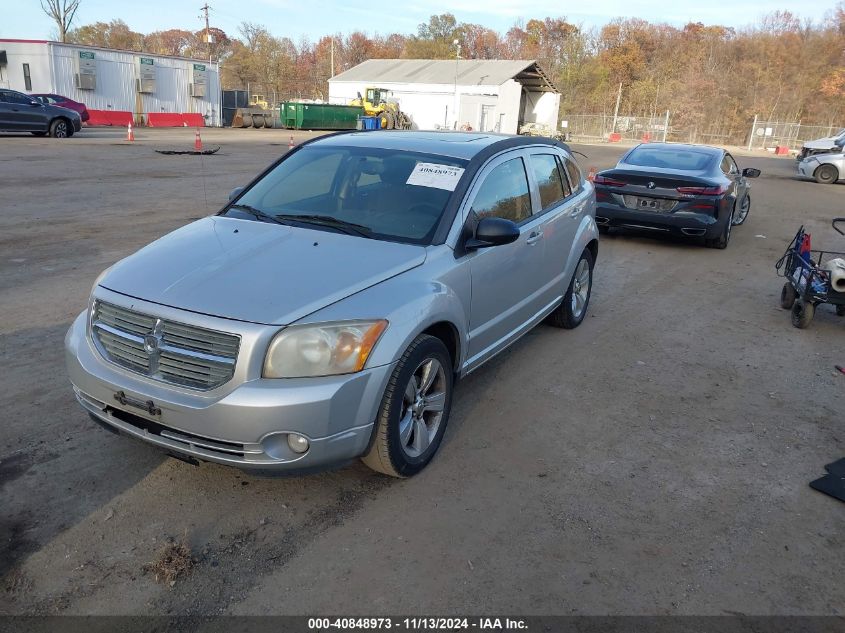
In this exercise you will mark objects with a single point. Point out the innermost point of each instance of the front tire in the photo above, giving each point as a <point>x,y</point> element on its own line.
<point>414,410</point>
<point>826,175</point>
<point>60,128</point>
<point>573,308</point>
<point>741,214</point>
<point>802,314</point>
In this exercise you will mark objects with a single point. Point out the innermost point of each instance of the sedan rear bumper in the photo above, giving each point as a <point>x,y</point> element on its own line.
<point>682,223</point>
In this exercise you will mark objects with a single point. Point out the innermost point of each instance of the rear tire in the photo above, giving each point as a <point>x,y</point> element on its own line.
<point>406,437</point>
<point>386,120</point>
<point>572,310</point>
<point>840,310</point>
<point>787,296</point>
<point>722,241</point>
<point>802,314</point>
<point>826,174</point>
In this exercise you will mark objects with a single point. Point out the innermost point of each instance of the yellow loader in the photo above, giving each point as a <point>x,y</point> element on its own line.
<point>376,103</point>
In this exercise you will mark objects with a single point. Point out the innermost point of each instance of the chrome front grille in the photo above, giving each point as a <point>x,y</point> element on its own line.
<point>165,350</point>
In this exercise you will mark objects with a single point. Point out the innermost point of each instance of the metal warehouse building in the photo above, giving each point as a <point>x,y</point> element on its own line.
<point>116,86</point>
<point>487,95</point>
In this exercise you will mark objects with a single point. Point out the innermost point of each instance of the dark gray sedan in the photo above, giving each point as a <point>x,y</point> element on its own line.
<point>22,113</point>
<point>685,190</point>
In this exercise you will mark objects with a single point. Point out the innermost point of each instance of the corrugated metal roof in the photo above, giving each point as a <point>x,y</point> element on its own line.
<point>471,72</point>
<point>108,50</point>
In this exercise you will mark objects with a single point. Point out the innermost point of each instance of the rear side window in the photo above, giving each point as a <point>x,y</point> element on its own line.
<point>574,173</point>
<point>549,180</point>
<point>504,193</point>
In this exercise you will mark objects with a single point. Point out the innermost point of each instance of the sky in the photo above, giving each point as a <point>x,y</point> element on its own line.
<point>24,19</point>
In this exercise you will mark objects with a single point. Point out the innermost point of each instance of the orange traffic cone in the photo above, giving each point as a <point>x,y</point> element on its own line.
<point>592,175</point>
<point>198,141</point>
<point>130,135</point>
<point>290,145</point>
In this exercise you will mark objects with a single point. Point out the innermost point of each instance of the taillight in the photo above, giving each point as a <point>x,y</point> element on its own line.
<point>702,191</point>
<point>607,182</point>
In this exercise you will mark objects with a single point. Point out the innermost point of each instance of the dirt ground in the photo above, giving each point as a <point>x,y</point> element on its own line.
<point>653,461</point>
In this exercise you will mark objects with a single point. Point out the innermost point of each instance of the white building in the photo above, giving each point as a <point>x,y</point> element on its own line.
<point>488,95</point>
<point>116,86</point>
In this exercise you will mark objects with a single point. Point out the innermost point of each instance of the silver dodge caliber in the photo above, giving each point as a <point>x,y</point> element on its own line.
<point>326,312</point>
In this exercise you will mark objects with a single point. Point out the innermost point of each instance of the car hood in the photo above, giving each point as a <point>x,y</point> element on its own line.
<point>822,143</point>
<point>256,271</point>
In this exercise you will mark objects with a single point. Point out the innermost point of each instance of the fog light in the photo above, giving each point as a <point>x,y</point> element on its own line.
<point>297,443</point>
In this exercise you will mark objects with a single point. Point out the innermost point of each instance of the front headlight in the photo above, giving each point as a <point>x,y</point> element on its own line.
<point>327,349</point>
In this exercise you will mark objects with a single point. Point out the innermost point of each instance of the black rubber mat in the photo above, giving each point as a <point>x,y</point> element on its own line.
<point>833,485</point>
<point>837,467</point>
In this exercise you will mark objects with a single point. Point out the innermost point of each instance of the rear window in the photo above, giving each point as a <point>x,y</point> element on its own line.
<point>669,158</point>
<point>395,194</point>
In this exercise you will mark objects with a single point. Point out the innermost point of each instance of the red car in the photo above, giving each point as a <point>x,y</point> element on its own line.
<point>64,102</point>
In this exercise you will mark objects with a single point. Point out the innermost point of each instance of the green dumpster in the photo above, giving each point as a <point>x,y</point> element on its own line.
<point>318,116</point>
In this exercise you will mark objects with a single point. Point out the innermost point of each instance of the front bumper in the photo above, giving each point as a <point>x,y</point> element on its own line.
<point>245,426</point>
<point>806,168</point>
<point>682,223</point>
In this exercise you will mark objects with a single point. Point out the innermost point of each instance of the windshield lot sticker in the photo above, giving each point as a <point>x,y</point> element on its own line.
<point>433,175</point>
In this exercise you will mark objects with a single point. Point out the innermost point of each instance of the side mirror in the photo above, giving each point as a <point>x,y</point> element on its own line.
<point>35,103</point>
<point>750,172</point>
<point>493,232</point>
<point>234,193</point>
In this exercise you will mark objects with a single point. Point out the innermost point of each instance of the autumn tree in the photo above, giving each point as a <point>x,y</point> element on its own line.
<point>114,34</point>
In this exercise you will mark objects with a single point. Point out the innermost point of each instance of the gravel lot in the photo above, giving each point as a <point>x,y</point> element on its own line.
<point>653,461</point>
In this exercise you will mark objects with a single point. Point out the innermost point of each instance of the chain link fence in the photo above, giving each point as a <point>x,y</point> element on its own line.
<point>603,127</point>
<point>759,135</point>
<point>771,134</point>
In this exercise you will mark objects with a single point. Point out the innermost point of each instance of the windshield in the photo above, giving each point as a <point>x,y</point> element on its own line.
<point>386,194</point>
<point>666,158</point>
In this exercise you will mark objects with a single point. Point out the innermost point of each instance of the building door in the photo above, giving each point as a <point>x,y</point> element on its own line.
<point>486,122</point>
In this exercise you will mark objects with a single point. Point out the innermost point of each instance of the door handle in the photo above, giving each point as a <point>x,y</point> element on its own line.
<point>534,237</point>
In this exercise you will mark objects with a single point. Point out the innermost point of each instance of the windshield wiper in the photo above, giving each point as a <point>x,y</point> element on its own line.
<point>258,213</point>
<point>349,228</point>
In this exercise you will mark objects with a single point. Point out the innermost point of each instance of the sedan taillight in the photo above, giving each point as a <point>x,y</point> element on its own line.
<point>607,182</point>
<point>702,191</point>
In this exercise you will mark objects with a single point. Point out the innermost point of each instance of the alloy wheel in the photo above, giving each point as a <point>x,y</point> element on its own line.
<point>580,288</point>
<point>422,407</point>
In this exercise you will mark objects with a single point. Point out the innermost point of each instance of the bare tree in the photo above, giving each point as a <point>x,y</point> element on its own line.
<point>62,12</point>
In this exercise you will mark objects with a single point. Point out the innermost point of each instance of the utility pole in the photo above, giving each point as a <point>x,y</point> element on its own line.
<point>205,9</point>
<point>332,74</point>
<point>457,44</point>
<point>616,111</point>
